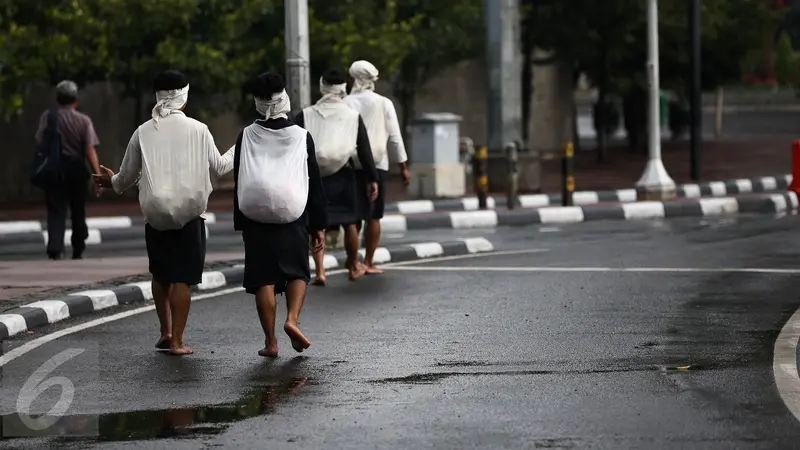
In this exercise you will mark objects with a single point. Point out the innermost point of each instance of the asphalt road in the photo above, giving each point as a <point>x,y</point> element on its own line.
<point>546,344</point>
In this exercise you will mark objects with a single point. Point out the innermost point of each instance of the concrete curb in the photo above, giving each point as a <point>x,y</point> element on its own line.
<point>26,243</point>
<point>45,312</point>
<point>702,207</point>
<point>103,236</point>
<point>710,189</point>
<point>32,228</point>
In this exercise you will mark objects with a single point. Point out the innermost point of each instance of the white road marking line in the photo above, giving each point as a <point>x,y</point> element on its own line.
<point>784,365</point>
<point>38,342</point>
<point>29,346</point>
<point>549,229</point>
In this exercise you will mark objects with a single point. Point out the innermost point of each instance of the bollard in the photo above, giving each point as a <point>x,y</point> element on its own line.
<point>567,174</point>
<point>795,185</point>
<point>479,172</point>
<point>512,151</point>
<point>466,153</point>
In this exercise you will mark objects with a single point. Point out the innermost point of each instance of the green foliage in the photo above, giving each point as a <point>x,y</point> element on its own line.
<point>445,32</point>
<point>786,63</point>
<point>220,44</point>
<point>342,32</point>
<point>609,39</point>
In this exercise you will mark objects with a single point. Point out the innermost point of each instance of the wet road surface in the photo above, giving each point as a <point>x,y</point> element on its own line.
<point>546,344</point>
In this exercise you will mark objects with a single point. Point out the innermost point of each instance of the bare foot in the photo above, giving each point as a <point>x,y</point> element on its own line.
<point>319,281</point>
<point>299,342</point>
<point>372,270</point>
<point>358,272</point>
<point>269,350</point>
<point>180,351</point>
<point>164,342</point>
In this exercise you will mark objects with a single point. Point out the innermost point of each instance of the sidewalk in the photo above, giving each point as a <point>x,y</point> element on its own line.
<point>721,160</point>
<point>23,279</point>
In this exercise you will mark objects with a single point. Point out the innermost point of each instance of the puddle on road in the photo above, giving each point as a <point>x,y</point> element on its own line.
<point>160,424</point>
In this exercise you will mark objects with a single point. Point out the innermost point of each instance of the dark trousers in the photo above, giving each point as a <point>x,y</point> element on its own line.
<point>72,194</point>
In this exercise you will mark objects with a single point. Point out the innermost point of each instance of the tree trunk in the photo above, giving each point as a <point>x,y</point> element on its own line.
<point>138,104</point>
<point>408,104</point>
<point>602,136</point>
<point>527,87</point>
<point>602,119</point>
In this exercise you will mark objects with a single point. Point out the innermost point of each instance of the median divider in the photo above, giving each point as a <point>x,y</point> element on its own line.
<point>709,189</point>
<point>25,243</point>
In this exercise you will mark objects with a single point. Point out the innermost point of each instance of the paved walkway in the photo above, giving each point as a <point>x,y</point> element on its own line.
<point>721,160</point>
<point>23,278</point>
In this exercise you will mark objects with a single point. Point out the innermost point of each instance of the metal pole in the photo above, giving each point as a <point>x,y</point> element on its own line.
<point>504,59</point>
<point>655,183</point>
<point>696,89</point>
<point>567,175</point>
<point>298,79</point>
<point>718,112</point>
<point>479,173</point>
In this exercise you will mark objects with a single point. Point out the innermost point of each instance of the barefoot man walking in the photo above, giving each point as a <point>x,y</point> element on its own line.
<point>340,137</point>
<point>386,142</point>
<point>278,199</point>
<point>170,155</point>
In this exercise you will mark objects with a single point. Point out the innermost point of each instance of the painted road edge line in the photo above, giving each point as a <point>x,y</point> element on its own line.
<point>42,313</point>
<point>35,343</point>
<point>784,364</point>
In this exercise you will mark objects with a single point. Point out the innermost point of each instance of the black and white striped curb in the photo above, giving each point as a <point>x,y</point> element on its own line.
<point>45,312</point>
<point>93,223</point>
<point>24,243</point>
<point>768,203</point>
<point>99,236</point>
<point>710,189</point>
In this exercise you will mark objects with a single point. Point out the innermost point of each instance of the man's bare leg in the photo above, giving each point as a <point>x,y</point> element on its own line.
<point>372,237</point>
<point>161,299</point>
<point>180,300</point>
<point>319,268</point>
<point>357,270</point>
<point>266,306</point>
<point>295,295</point>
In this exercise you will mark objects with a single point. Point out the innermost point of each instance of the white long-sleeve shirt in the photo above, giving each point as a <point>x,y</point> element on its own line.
<point>172,164</point>
<point>383,128</point>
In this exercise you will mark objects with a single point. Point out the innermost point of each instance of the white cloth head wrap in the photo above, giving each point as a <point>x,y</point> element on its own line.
<point>169,101</point>
<point>332,97</point>
<point>364,75</point>
<point>278,107</point>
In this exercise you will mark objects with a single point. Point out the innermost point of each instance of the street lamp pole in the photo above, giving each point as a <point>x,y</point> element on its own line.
<point>696,89</point>
<point>298,78</point>
<point>655,183</point>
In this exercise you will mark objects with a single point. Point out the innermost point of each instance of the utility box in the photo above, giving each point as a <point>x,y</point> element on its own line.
<point>437,170</point>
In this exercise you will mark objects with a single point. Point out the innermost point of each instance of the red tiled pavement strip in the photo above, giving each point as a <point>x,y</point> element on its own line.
<point>19,278</point>
<point>721,160</point>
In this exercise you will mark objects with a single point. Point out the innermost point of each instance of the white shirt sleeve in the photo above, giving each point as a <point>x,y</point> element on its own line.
<point>395,147</point>
<point>219,164</point>
<point>131,168</point>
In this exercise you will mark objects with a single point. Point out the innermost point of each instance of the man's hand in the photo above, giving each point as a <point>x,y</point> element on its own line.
<point>103,179</point>
<point>319,241</point>
<point>406,176</point>
<point>372,190</point>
